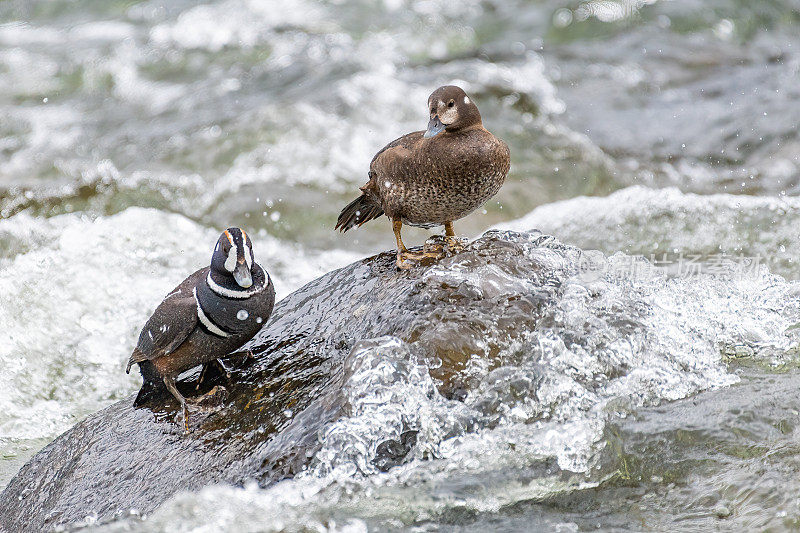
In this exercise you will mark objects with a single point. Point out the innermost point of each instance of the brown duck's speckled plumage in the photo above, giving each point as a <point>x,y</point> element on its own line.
<point>432,181</point>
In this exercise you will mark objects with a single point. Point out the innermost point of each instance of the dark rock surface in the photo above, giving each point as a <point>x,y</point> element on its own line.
<point>266,429</point>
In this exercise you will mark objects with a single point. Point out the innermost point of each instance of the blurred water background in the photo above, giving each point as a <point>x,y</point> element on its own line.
<point>132,132</point>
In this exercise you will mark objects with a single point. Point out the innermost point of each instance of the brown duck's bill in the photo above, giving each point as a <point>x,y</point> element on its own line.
<point>435,127</point>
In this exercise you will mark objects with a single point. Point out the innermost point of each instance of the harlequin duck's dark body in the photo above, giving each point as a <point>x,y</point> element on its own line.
<point>210,314</point>
<point>434,177</point>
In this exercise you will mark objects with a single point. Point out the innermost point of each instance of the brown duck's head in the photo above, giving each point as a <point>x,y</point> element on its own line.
<point>451,110</point>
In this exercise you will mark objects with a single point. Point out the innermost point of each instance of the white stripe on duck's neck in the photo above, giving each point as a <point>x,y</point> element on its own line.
<point>232,293</point>
<point>210,326</point>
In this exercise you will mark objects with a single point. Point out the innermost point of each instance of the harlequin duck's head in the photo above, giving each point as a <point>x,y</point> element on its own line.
<point>451,110</point>
<point>233,256</point>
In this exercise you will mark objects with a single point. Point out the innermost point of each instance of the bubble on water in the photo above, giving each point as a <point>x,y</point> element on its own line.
<point>242,314</point>
<point>724,29</point>
<point>562,18</point>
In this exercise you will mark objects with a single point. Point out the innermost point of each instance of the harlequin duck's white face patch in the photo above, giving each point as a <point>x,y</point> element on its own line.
<point>230,262</point>
<point>467,100</point>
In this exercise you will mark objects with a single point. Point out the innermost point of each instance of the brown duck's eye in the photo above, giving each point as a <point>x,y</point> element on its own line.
<point>451,103</point>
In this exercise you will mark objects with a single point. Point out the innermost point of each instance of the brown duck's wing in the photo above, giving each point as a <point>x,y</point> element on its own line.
<point>398,148</point>
<point>171,323</point>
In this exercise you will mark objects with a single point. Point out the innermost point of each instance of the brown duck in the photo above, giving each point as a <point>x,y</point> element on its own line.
<point>435,177</point>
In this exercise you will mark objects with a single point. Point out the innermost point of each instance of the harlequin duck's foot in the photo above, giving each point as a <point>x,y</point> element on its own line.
<point>212,371</point>
<point>212,399</point>
<point>170,383</point>
<point>186,430</point>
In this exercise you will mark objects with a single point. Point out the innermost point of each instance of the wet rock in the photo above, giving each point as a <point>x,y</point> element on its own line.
<point>473,304</point>
<point>391,453</point>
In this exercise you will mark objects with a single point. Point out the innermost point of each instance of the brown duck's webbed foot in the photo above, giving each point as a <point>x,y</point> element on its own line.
<point>453,242</point>
<point>403,254</point>
<point>405,259</point>
<point>211,370</point>
<point>170,383</point>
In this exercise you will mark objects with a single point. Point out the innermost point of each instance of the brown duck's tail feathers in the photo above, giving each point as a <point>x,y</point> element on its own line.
<point>152,384</point>
<point>357,212</point>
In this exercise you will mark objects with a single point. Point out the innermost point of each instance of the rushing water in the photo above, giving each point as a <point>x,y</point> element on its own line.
<point>132,132</point>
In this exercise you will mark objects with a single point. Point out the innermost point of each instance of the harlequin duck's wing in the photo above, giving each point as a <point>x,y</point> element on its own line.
<point>169,326</point>
<point>171,323</point>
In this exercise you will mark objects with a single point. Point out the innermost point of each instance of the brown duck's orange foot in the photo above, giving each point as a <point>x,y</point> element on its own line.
<point>402,261</point>
<point>454,243</point>
<point>442,244</point>
<point>405,259</point>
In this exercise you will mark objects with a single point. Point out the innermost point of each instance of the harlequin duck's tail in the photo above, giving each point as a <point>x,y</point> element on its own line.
<point>357,212</point>
<point>152,384</point>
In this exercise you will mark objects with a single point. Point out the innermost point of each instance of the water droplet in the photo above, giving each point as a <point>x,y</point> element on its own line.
<point>287,413</point>
<point>242,314</point>
<point>562,18</point>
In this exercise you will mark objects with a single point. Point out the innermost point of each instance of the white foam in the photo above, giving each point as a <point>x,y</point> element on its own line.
<point>654,221</point>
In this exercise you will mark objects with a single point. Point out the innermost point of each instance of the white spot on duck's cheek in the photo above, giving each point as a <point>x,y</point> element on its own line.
<point>242,314</point>
<point>449,116</point>
<point>230,262</point>
<point>466,100</point>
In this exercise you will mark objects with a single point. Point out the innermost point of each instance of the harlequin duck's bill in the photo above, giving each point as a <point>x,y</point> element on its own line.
<point>435,127</point>
<point>242,276</point>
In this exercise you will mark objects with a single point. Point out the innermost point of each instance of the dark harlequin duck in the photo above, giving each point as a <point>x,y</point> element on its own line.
<point>434,177</point>
<point>210,314</point>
